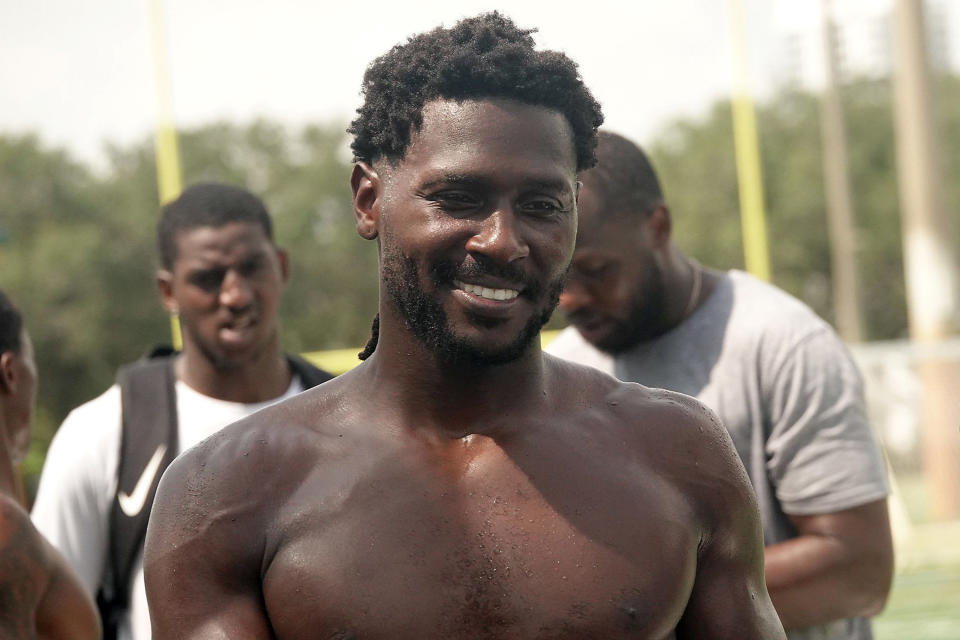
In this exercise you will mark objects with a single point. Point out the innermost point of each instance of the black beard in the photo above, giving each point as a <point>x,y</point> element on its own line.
<point>644,319</point>
<point>427,320</point>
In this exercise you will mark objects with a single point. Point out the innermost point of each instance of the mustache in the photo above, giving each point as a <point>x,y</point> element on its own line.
<point>447,271</point>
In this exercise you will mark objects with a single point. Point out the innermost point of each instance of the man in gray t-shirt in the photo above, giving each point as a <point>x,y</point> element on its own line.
<point>777,375</point>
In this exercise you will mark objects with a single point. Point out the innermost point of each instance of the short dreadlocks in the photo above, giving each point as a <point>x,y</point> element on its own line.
<point>486,56</point>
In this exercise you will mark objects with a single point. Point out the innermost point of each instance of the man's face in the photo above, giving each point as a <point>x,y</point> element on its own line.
<point>477,227</point>
<point>615,291</point>
<point>226,284</point>
<point>23,375</point>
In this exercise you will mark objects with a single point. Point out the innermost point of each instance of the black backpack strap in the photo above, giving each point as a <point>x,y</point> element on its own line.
<point>148,444</point>
<point>310,376</point>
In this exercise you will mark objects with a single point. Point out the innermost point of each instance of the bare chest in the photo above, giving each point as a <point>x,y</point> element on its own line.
<point>499,558</point>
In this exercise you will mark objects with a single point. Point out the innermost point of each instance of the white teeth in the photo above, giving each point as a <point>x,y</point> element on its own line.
<point>487,292</point>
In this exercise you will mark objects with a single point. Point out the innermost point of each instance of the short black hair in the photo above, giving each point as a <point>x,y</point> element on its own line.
<point>486,56</point>
<point>207,204</point>
<point>11,326</point>
<point>623,179</point>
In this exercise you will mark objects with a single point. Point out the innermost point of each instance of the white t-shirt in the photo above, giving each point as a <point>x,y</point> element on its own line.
<point>79,481</point>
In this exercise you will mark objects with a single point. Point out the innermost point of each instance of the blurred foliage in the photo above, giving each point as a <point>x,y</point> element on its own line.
<point>695,160</point>
<point>78,257</point>
<point>77,246</point>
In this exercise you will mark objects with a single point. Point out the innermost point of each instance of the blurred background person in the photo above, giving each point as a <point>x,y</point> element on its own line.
<point>779,378</point>
<point>40,596</point>
<point>223,275</point>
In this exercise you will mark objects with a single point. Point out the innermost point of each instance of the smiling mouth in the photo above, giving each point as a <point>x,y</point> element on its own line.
<point>487,293</point>
<point>241,324</point>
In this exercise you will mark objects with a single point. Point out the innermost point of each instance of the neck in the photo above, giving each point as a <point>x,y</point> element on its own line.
<point>257,380</point>
<point>687,286</point>
<point>9,479</point>
<point>452,400</point>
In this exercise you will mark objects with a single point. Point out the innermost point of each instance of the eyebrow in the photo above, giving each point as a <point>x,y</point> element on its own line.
<point>551,184</point>
<point>456,179</point>
<point>466,180</point>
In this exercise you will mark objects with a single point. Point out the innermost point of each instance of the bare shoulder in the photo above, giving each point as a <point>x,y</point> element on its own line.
<point>39,593</point>
<point>259,455</point>
<point>218,518</point>
<point>671,433</point>
<point>677,440</point>
<point>21,545</point>
<point>231,484</point>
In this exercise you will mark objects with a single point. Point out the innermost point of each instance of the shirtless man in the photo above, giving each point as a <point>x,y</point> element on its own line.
<point>40,597</point>
<point>459,484</point>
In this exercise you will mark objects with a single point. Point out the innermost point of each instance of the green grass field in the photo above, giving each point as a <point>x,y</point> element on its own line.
<point>925,601</point>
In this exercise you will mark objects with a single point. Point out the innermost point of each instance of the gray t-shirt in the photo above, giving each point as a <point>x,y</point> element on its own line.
<point>788,392</point>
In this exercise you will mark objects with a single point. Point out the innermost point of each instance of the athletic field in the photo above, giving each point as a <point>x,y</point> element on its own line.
<point>925,601</point>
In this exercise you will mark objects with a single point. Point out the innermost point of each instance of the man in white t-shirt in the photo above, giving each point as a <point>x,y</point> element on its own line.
<point>779,378</point>
<point>223,275</point>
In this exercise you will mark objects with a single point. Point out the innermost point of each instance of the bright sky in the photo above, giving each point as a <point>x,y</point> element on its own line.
<point>80,73</point>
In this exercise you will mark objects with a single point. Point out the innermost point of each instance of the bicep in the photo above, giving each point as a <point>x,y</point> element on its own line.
<point>856,541</point>
<point>201,569</point>
<point>729,597</point>
<point>866,526</point>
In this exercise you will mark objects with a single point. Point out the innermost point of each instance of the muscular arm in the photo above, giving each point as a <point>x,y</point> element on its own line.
<point>823,459</point>
<point>840,566</point>
<point>202,555</point>
<point>729,598</point>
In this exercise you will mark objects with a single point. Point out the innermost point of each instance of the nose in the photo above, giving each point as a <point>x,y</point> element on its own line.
<point>235,291</point>
<point>574,296</point>
<point>499,238</point>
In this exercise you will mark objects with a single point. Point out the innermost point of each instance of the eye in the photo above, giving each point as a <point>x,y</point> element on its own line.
<point>455,200</point>
<point>209,280</point>
<point>543,206</point>
<point>251,267</point>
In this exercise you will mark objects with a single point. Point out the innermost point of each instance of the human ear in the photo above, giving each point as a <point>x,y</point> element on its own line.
<point>660,225</point>
<point>165,288</point>
<point>8,373</point>
<point>284,261</point>
<point>367,190</point>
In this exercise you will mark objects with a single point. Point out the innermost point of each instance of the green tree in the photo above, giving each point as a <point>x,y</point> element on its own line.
<point>696,162</point>
<point>78,249</point>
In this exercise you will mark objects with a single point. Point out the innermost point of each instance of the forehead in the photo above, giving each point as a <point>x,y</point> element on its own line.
<point>231,241</point>
<point>493,135</point>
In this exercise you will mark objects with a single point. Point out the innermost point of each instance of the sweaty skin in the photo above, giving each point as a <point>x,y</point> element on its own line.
<point>629,284</point>
<point>458,483</point>
<point>40,597</point>
<point>606,511</point>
